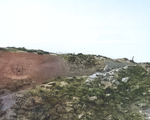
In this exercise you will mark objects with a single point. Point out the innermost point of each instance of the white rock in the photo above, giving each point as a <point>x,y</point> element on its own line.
<point>79,116</point>
<point>107,95</point>
<point>107,84</point>
<point>106,68</point>
<point>77,99</point>
<point>125,79</point>
<point>19,95</point>
<point>125,67</point>
<point>69,109</point>
<point>95,75</point>
<point>117,69</point>
<point>111,73</point>
<point>89,80</point>
<point>113,81</point>
<point>92,98</point>
<point>115,88</point>
<point>63,84</point>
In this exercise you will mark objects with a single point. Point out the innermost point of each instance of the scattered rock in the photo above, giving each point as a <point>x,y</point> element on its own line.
<point>52,83</point>
<point>69,104</point>
<point>125,79</point>
<point>92,98</point>
<point>99,98</point>
<point>69,109</point>
<point>76,99</point>
<point>107,84</point>
<point>106,68</point>
<point>144,93</point>
<point>62,84</point>
<point>81,115</point>
<point>19,95</point>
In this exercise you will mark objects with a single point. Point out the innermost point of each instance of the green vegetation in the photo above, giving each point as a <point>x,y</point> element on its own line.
<point>1,48</point>
<point>86,60</point>
<point>138,83</point>
<point>71,98</point>
<point>23,49</point>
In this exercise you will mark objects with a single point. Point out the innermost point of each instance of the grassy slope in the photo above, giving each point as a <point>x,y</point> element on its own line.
<point>73,91</point>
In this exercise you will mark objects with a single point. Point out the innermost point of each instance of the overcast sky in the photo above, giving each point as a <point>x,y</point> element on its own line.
<point>112,28</point>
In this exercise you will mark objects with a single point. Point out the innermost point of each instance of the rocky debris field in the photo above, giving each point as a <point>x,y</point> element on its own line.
<point>116,94</point>
<point>63,87</point>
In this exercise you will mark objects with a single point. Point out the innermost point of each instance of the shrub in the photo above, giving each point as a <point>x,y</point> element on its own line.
<point>39,52</point>
<point>71,58</point>
<point>34,50</point>
<point>45,52</point>
<point>21,48</point>
<point>29,50</point>
<point>2,49</point>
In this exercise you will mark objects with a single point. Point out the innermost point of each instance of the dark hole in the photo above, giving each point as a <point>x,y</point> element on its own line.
<point>18,70</point>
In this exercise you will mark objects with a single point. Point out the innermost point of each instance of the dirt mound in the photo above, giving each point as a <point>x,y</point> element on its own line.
<point>30,67</point>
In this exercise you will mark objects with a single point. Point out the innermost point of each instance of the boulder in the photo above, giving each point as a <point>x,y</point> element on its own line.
<point>92,98</point>
<point>125,79</point>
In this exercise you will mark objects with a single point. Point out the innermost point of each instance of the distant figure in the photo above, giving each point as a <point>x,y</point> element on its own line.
<point>133,58</point>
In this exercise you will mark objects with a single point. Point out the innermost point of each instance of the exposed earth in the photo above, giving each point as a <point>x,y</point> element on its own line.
<point>37,86</point>
<point>30,67</point>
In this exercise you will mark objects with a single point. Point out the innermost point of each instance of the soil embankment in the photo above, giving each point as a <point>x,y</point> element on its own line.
<point>22,69</point>
<point>30,67</point>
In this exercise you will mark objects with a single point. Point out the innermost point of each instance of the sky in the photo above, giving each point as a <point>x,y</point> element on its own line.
<point>112,28</point>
